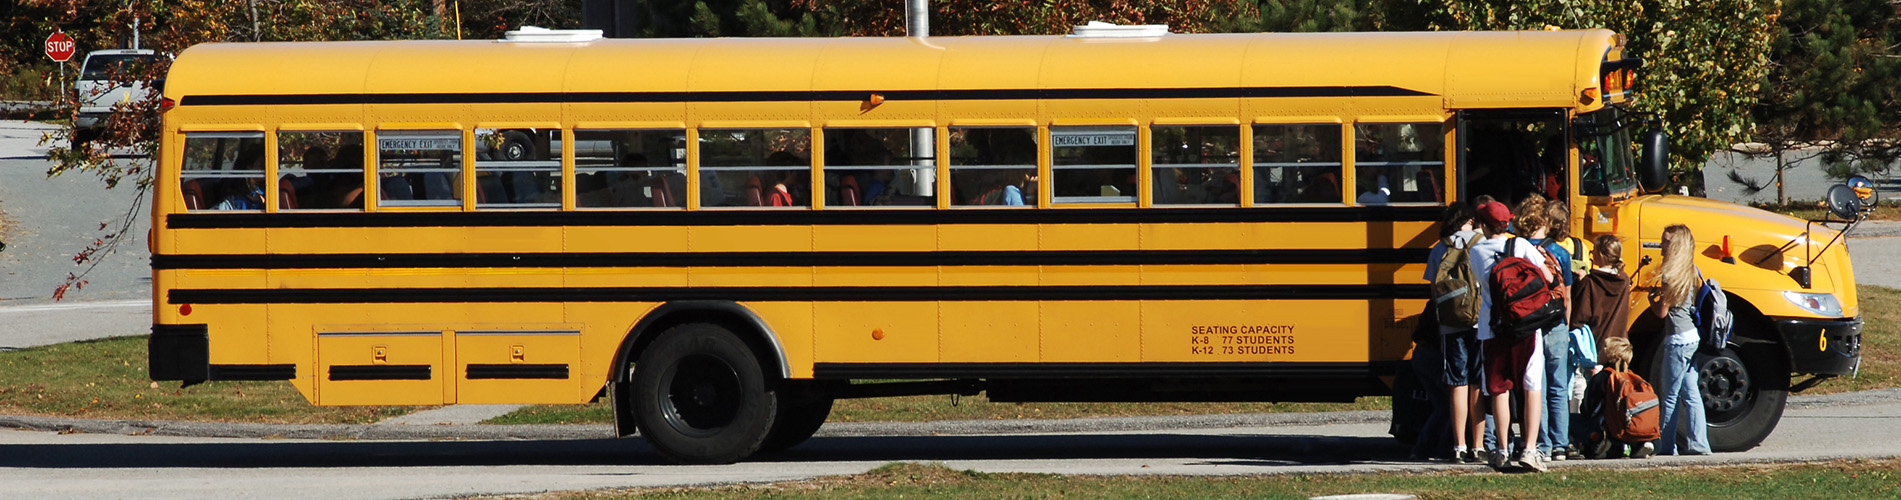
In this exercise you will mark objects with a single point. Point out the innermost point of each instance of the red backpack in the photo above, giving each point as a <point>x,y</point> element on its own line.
<point>1523,302</point>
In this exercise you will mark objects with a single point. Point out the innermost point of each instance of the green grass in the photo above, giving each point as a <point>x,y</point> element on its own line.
<point>1880,343</point>
<point>931,408</point>
<point>1880,368</point>
<point>1885,210</point>
<point>1846,479</point>
<point>107,379</point>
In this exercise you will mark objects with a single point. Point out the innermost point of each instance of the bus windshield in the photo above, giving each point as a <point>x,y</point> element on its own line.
<point>1604,154</point>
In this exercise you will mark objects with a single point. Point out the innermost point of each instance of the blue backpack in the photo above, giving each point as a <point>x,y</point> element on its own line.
<point>1713,319</point>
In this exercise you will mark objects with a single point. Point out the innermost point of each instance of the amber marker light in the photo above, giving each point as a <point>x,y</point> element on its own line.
<point>877,334</point>
<point>1590,96</point>
<point>1728,256</point>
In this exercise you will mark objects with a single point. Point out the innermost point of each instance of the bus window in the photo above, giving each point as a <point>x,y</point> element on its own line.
<point>629,168</point>
<point>1297,164</point>
<point>517,168</point>
<point>1093,164</point>
<point>755,168</point>
<point>879,166</point>
<point>419,168</point>
<point>993,166</point>
<point>319,170</point>
<point>1604,156</point>
<point>223,171</point>
<point>1195,165</point>
<point>1399,163</point>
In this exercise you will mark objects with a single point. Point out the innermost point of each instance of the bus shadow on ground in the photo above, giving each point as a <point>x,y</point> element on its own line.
<point>1261,450</point>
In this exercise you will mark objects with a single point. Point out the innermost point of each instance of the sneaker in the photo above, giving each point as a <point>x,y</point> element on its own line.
<point>1557,455</point>
<point>1531,460</point>
<point>1472,456</point>
<point>1573,453</point>
<point>1644,451</point>
<point>1498,459</point>
<point>1602,449</point>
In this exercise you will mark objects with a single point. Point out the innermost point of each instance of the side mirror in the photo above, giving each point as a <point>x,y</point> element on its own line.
<point>1843,202</point>
<point>1864,190</point>
<point>1653,161</point>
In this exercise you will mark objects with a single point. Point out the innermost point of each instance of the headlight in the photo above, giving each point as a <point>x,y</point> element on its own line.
<point>1819,303</point>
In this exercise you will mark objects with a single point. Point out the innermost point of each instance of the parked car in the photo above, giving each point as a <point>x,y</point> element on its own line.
<point>97,91</point>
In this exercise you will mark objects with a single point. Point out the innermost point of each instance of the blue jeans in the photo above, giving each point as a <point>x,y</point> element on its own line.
<point>1682,404</point>
<point>1556,431</point>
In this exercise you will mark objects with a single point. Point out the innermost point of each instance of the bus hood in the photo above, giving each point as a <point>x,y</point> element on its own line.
<point>1765,251</point>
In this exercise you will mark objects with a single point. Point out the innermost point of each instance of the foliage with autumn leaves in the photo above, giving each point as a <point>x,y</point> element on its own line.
<point>1718,72</point>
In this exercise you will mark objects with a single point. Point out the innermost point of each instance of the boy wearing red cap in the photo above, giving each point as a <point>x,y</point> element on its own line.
<point>1510,364</point>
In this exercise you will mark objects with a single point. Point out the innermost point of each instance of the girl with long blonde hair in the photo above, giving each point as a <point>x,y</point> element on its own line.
<point>1673,300</point>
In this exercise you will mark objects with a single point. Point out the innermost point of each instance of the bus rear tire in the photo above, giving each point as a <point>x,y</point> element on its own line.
<point>701,396</point>
<point>797,421</point>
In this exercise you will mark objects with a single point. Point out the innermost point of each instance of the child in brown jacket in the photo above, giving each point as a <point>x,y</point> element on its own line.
<point>1601,299</point>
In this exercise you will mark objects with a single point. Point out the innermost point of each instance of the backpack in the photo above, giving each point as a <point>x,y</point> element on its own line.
<point>1712,316</point>
<point>1454,293</point>
<point>1580,263</point>
<point>1523,302</point>
<point>1631,408</point>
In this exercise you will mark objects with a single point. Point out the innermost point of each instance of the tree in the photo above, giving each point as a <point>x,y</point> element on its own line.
<point>1830,89</point>
<point>170,27</point>
<point>1704,61</point>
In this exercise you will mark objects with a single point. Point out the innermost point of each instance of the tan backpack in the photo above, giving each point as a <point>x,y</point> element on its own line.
<point>1455,293</point>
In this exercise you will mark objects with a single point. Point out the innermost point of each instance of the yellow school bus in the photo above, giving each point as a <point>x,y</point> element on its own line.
<point>723,236</point>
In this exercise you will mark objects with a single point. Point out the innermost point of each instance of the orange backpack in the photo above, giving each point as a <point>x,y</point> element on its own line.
<point>1630,408</point>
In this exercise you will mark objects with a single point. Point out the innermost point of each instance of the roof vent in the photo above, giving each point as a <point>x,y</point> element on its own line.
<point>540,34</point>
<point>1099,29</point>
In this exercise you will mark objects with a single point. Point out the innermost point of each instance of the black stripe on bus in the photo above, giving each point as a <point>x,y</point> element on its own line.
<point>802,95</point>
<point>1091,370</point>
<point>380,372</point>
<point>254,372</point>
<point>204,220</point>
<point>790,259</point>
<point>557,371</point>
<point>791,294</point>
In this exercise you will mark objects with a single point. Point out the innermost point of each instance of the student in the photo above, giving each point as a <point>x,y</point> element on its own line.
<point>1459,346</point>
<point>1555,438</point>
<point>1600,302</point>
<point>1601,299</point>
<point>1672,300</point>
<point>1509,363</point>
<point>1597,400</point>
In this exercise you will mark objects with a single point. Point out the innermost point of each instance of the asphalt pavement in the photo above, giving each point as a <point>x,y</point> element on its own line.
<point>54,465</point>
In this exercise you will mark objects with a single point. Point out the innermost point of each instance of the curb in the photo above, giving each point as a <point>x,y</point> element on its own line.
<point>482,432</point>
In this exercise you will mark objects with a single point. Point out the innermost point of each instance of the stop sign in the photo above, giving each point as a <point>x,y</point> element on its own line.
<point>60,47</point>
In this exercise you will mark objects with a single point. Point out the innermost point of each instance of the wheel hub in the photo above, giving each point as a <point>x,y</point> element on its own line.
<point>1724,382</point>
<point>703,395</point>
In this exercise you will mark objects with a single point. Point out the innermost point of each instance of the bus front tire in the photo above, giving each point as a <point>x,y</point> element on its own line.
<point>1745,387</point>
<point>701,396</point>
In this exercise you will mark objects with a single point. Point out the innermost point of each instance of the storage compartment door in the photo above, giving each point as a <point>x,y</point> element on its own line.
<point>519,367</point>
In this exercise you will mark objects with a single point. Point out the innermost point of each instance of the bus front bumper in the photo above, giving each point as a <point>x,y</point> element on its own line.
<point>1822,346</point>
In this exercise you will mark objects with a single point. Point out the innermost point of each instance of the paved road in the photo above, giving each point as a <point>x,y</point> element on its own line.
<point>49,220</point>
<point>49,465</point>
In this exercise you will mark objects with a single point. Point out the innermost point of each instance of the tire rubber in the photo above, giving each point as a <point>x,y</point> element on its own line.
<point>701,396</point>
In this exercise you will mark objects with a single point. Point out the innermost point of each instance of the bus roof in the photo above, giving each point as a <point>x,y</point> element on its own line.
<point>1466,69</point>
